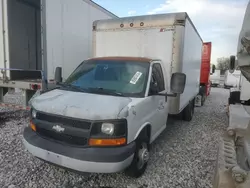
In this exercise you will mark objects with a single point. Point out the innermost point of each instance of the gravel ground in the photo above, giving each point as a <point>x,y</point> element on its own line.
<point>182,157</point>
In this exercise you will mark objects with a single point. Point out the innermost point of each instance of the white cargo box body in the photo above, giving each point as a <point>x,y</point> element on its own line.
<point>215,77</point>
<point>45,34</point>
<point>244,89</point>
<point>172,38</point>
<point>232,79</point>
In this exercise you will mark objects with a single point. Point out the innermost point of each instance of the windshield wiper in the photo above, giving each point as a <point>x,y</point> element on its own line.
<point>101,90</point>
<point>70,86</point>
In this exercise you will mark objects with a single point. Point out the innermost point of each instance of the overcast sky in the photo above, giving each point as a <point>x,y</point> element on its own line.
<point>218,21</point>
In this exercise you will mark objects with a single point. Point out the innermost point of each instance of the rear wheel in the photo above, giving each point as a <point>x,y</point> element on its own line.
<point>141,157</point>
<point>188,111</point>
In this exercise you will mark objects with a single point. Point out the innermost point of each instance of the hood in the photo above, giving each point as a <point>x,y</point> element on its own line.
<point>80,105</point>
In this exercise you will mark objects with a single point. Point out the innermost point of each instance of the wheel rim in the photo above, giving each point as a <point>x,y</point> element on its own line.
<point>142,156</point>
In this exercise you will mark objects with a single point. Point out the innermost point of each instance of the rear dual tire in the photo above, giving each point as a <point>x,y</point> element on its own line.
<point>188,112</point>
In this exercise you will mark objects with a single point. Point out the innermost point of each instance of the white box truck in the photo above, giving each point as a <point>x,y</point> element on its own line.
<point>39,35</point>
<point>113,106</point>
<point>215,78</point>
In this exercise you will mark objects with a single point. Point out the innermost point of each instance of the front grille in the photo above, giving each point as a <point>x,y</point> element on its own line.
<point>81,124</point>
<point>64,138</point>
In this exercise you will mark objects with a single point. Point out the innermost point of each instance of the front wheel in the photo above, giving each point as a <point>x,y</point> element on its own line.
<point>140,160</point>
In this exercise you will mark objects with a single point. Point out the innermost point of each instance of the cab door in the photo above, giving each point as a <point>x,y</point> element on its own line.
<point>158,103</point>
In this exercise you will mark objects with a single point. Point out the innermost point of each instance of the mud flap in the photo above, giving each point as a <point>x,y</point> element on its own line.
<point>198,99</point>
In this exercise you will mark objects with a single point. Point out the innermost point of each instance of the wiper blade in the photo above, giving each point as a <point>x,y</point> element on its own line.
<point>105,91</point>
<point>70,86</point>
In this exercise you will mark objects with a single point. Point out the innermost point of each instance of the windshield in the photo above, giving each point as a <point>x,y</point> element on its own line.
<point>111,77</point>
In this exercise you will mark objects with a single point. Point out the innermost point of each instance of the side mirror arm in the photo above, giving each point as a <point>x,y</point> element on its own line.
<point>172,95</point>
<point>167,95</point>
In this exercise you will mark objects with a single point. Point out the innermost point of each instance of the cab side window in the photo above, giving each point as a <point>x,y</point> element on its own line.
<point>157,78</point>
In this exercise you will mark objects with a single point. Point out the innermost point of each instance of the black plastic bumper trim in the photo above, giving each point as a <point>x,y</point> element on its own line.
<point>93,154</point>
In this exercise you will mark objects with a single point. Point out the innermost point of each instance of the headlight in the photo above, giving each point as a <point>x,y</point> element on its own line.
<point>108,128</point>
<point>33,113</point>
<point>111,128</point>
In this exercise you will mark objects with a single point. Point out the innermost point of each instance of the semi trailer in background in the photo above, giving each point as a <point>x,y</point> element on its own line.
<point>40,35</point>
<point>215,78</point>
<point>205,85</point>
<point>103,118</point>
<point>233,161</point>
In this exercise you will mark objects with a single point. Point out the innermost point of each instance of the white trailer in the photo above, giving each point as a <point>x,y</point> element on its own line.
<point>215,78</point>
<point>39,35</point>
<point>113,106</point>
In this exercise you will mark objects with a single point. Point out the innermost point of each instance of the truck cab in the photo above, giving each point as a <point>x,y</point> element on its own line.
<point>113,106</point>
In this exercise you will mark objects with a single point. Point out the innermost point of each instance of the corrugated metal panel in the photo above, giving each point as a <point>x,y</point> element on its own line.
<point>205,65</point>
<point>92,3</point>
<point>1,36</point>
<point>4,43</point>
<point>69,33</point>
<point>206,51</point>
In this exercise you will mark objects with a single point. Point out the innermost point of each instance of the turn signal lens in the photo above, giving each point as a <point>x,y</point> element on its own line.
<point>107,142</point>
<point>33,126</point>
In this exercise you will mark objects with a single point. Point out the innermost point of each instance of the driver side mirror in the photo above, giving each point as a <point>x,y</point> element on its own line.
<point>178,82</point>
<point>153,88</point>
<point>232,64</point>
<point>213,68</point>
<point>58,74</point>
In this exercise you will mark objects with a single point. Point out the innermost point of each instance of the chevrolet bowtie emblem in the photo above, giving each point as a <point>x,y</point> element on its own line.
<point>58,128</point>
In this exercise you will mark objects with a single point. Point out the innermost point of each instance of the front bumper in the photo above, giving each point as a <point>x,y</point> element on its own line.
<point>229,86</point>
<point>96,160</point>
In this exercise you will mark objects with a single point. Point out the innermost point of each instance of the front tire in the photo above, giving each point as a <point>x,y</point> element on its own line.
<point>141,157</point>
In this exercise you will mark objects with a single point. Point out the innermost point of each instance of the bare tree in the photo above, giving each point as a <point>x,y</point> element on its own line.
<point>223,64</point>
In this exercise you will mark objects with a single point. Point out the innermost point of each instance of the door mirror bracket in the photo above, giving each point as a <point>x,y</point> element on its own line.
<point>167,95</point>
